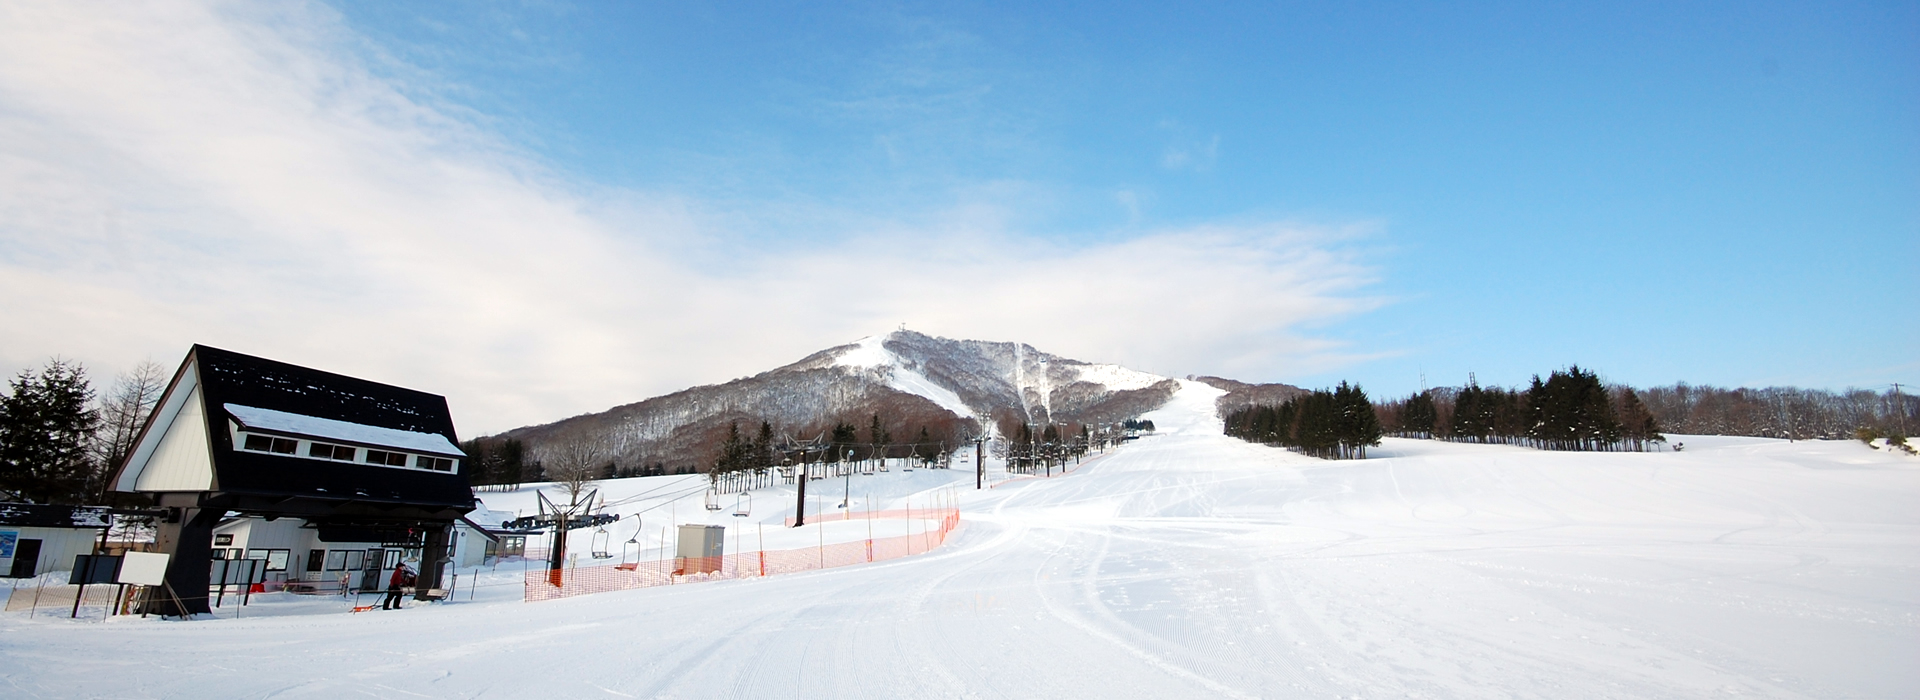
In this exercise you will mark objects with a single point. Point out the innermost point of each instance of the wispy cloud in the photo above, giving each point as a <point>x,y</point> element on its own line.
<point>172,174</point>
<point>1187,150</point>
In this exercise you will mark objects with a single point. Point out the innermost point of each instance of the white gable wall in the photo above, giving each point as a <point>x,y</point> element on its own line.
<point>178,429</point>
<point>181,461</point>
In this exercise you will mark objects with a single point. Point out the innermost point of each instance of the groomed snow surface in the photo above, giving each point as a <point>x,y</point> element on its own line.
<point>1186,564</point>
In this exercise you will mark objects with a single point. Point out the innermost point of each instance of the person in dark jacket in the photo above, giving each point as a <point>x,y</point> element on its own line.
<point>402,577</point>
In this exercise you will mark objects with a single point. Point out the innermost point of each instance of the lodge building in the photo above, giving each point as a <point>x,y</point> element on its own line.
<point>327,477</point>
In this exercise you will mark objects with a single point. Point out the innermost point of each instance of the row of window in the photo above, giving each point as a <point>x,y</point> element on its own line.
<point>317,559</point>
<point>276,558</point>
<point>342,453</point>
<point>351,559</point>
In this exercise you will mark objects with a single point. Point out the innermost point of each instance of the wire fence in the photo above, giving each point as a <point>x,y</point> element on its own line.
<point>545,584</point>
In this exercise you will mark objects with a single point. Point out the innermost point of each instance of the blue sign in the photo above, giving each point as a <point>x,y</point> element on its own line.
<point>7,541</point>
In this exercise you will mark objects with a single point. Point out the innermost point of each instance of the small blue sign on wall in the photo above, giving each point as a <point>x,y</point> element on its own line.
<point>7,541</point>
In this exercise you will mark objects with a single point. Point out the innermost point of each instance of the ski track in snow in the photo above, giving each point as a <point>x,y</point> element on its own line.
<point>1185,565</point>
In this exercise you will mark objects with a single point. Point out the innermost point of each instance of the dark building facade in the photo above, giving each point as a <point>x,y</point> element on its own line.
<point>236,435</point>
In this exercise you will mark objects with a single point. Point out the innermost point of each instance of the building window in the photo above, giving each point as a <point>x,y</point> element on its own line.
<point>336,560</point>
<point>316,559</point>
<point>222,540</point>
<point>267,443</point>
<point>342,453</point>
<point>326,451</point>
<point>355,558</point>
<point>276,558</point>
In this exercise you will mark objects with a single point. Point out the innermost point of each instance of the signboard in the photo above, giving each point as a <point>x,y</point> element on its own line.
<point>8,539</point>
<point>144,568</point>
<point>94,568</point>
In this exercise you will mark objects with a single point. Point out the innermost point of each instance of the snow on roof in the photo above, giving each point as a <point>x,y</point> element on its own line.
<point>327,428</point>
<point>43,515</point>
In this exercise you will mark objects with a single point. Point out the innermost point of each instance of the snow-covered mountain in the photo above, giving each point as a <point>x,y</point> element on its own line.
<point>954,388</point>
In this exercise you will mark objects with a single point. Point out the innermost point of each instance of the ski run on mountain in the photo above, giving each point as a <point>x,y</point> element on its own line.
<point>1182,564</point>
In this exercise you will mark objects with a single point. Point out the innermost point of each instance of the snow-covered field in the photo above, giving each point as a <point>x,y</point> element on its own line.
<point>1185,565</point>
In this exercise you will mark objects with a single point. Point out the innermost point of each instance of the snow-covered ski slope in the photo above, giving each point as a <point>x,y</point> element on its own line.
<point>871,351</point>
<point>1187,564</point>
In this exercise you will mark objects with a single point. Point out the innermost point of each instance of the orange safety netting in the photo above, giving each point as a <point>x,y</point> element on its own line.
<point>544,584</point>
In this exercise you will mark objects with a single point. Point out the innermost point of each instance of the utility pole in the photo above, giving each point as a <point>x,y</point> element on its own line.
<point>1900,408</point>
<point>800,506</point>
<point>979,463</point>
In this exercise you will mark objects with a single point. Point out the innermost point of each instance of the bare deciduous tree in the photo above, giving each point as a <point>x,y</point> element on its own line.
<point>574,462</point>
<point>123,412</point>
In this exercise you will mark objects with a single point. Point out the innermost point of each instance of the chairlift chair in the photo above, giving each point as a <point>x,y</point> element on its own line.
<point>743,506</point>
<point>630,552</point>
<point>713,499</point>
<point>600,544</point>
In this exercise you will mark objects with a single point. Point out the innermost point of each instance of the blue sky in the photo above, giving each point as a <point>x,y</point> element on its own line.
<point>1716,193</point>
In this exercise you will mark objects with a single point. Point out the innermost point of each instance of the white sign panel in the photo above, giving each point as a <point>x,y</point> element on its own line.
<point>144,568</point>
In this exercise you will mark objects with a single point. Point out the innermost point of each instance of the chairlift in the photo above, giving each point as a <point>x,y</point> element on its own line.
<point>600,543</point>
<point>743,506</point>
<point>713,499</point>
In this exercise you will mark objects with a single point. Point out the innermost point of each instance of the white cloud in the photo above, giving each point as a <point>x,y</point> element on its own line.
<point>172,174</point>
<point>1187,151</point>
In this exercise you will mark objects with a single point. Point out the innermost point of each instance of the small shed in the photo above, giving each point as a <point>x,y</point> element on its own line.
<point>37,538</point>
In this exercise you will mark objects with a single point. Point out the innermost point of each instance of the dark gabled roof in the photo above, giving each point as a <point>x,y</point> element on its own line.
<point>230,377</point>
<point>38,515</point>
<point>259,394</point>
<point>243,380</point>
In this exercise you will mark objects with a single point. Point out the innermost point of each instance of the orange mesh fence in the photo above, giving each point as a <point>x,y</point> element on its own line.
<point>544,584</point>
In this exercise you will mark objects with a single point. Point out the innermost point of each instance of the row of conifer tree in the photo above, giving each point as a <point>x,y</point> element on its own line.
<point>1337,424</point>
<point>1569,410</point>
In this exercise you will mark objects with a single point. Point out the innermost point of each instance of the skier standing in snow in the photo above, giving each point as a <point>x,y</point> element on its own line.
<point>401,578</point>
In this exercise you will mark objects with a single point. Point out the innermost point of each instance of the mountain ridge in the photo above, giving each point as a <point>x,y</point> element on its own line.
<point>953,389</point>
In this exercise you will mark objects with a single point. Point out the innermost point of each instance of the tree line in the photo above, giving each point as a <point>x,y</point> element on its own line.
<point>1570,410</point>
<point>843,443</point>
<point>1573,409</point>
<point>60,441</point>
<point>1337,424</point>
<point>1784,412</point>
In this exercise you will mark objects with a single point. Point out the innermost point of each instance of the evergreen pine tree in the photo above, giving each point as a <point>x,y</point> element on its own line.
<point>763,448</point>
<point>1359,425</point>
<point>844,437</point>
<point>1417,417</point>
<point>46,425</point>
